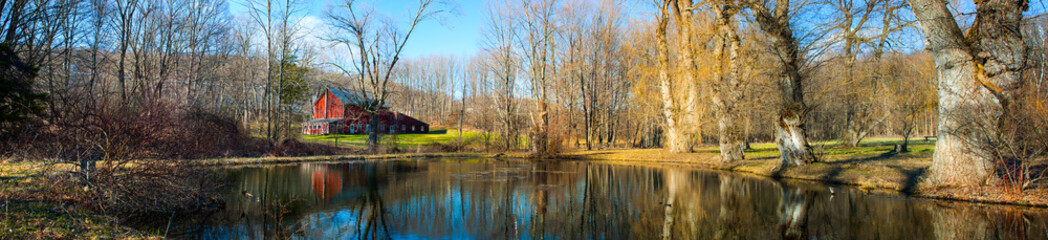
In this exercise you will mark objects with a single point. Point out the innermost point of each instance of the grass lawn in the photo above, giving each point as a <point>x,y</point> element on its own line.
<point>409,140</point>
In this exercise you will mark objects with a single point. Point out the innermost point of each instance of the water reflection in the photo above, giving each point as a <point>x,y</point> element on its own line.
<point>485,199</point>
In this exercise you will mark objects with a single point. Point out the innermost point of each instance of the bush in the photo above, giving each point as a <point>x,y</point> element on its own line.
<point>199,134</point>
<point>293,147</point>
<point>142,187</point>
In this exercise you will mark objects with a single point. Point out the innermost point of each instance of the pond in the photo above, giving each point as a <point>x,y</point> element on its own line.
<point>500,199</point>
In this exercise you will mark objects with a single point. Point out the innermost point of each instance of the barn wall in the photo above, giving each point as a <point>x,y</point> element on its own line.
<point>356,121</point>
<point>334,106</point>
<point>318,107</point>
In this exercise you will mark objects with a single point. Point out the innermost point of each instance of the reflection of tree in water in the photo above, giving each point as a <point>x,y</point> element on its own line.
<point>485,199</point>
<point>793,213</point>
<point>987,222</point>
<point>372,211</point>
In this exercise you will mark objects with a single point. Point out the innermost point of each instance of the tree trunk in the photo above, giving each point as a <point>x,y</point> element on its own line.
<point>855,114</point>
<point>541,140</point>
<point>906,141</point>
<point>373,132</point>
<point>978,74</point>
<point>462,116</point>
<point>853,135</point>
<point>790,129</point>
<point>674,141</point>
<point>790,137</point>
<point>690,119</point>
<point>728,90</point>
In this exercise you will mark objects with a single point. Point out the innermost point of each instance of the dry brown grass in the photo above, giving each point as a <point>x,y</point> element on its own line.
<point>32,206</point>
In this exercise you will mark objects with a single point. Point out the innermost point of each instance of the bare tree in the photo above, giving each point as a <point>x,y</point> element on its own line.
<point>678,139</point>
<point>792,138</point>
<point>728,92</point>
<point>539,46</point>
<point>503,64</point>
<point>276,20</point>
<point>378,44</point>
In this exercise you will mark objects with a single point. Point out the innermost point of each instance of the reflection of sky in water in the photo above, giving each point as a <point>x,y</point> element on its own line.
<point>477,199</point>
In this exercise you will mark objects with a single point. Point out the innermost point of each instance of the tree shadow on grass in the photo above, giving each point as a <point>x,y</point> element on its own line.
<point>881,157</point>
<point>913,177</point>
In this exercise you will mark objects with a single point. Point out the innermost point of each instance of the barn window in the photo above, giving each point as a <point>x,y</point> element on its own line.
<point>403,127</point>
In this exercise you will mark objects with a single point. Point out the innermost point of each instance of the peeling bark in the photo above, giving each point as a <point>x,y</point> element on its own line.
<point>675,140</point>
<point>978,74</point>
<point>690,118</point>
<point>728,90</point>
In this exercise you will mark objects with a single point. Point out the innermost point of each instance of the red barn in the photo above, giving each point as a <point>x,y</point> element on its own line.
<point>338,111</point>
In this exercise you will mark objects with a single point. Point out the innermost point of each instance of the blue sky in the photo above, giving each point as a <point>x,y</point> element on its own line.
<point>456,33</point>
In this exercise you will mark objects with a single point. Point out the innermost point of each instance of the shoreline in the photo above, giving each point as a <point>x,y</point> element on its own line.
<point>876,172</point>
<point>858,175</point>
<point>869,177</point>
<point>865,171</point>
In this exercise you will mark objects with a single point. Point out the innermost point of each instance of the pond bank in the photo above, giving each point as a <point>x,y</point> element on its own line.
<point>328,158</point>
<point>873,168</point>
<point>876,169</point>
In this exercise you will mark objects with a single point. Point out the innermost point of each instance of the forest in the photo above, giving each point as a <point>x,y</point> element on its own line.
<point>114,100</point>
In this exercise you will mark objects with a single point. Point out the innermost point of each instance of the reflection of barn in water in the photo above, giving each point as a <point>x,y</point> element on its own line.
<point>348,181</point>
<point>325,183</point>
<point>503,199</point>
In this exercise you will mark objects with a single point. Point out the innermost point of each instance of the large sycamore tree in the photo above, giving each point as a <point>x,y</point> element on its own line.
<point>677,83</point>
<point>979,72</point>
<point>728,92</point>
<point>773,18</point>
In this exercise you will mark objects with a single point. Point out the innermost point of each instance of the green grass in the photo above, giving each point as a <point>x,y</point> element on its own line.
<point>835,147</point>
<point>436,136</point>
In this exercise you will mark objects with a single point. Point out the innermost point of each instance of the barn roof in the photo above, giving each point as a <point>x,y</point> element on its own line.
<point>350,97</point>
<point>324,120</point>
